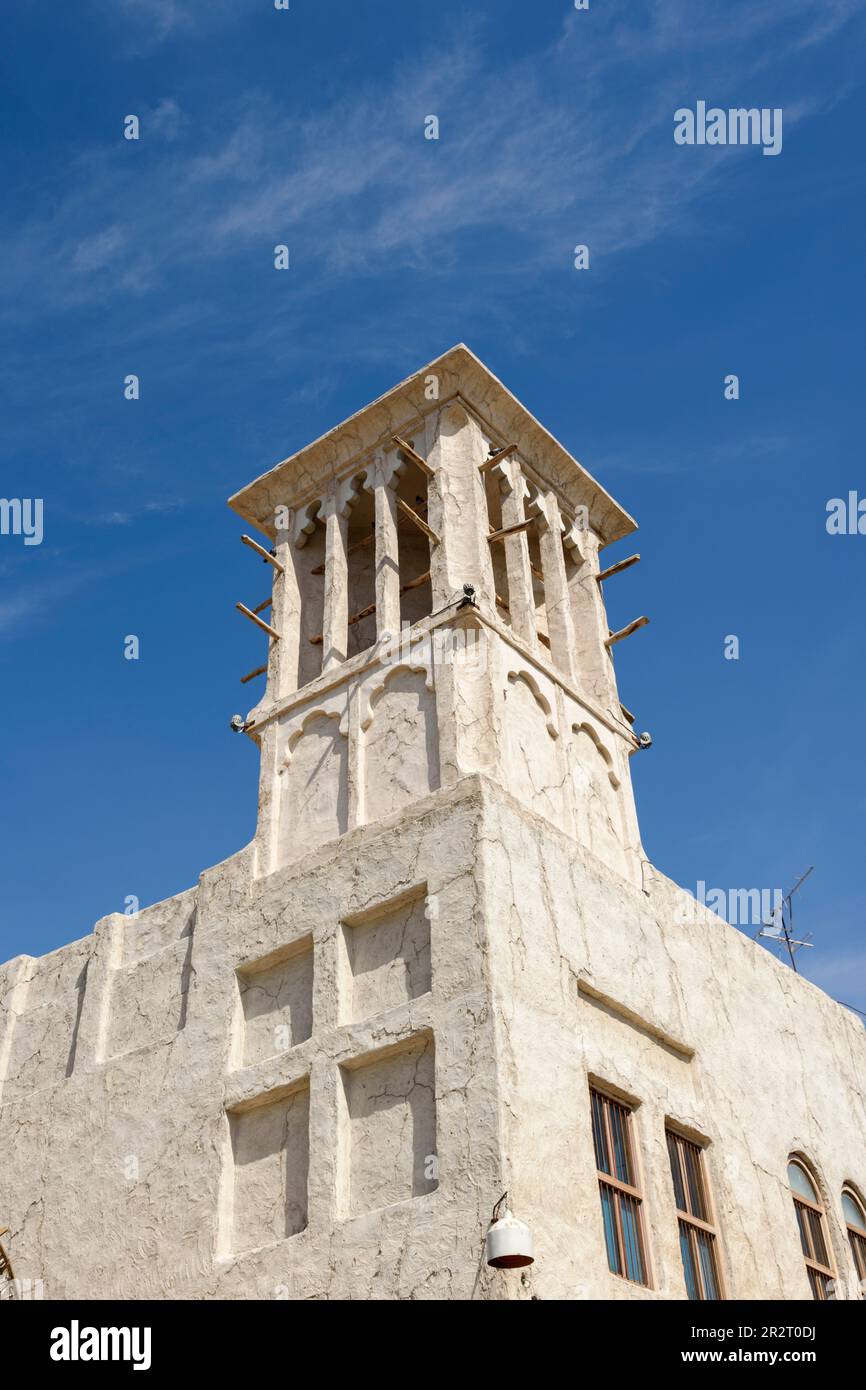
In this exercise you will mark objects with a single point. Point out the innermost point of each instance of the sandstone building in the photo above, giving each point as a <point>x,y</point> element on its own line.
<point>444,967</point>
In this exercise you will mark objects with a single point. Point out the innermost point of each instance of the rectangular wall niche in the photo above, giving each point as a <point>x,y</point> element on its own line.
<point>276,999</point>
<point>269,1161</point>
<point>386,957</point>
<point>388,1126</point>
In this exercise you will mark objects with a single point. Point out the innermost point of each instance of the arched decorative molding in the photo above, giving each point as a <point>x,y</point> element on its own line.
<point>304,523</point>
<point>374,687</point>
<point>299,728</point>
<point>545,506</point>
<point>342,496</point>
<point>509,475</point>
<point>383,470</point>
<point>585,728</point>
<point>574,536</point>
<point>544,704</point>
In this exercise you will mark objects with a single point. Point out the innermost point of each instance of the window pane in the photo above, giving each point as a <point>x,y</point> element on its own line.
<point>598,1134</point>
<point>688,1263</point>
<point>801,1223</point>
<point>819,1285</point>
<point>853,1215</point>
<point>858,1248</point>
<point>676,1173</point>
<point>618,1122</point>
<point>802,1183</point>
<point>707,1254</point>
<point>692,1155</point>
<point>816,1227</point>
<point>607,1211</point>
<point>631,1238</point>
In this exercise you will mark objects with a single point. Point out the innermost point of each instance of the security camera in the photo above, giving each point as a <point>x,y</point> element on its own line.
<point>238,724</point>
<point>645,740</point>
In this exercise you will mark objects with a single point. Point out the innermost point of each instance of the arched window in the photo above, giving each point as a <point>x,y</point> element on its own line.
<point>813,1229</point>
<point>855,1220</point>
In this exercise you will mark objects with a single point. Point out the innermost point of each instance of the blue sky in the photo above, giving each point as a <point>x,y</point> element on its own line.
<point>155,257</point>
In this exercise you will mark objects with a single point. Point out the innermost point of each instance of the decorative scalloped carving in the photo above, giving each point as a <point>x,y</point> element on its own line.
<point>384,471</point>
<point>299,728</point>
<point>540,698</point>
<point>304,523</point>
<point>375,685</point>
<point>606,756</point>
<point>340,499</point>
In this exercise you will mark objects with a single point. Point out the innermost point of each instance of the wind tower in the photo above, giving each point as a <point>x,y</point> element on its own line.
<point>438,614</point>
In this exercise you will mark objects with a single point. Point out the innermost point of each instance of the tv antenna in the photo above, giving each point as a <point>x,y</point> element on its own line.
<point>780,927</point>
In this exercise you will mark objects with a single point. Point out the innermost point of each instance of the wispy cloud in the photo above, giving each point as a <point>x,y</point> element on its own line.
<point>47,589</point>
<point>526,151</point>
<point>144,25</point>
<point>128,516</point>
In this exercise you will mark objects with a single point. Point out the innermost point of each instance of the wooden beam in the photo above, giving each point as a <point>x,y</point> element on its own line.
<point>626,631</point>
<point>494,535</point>
<point>260,607</point>
<point>497,458</point>
<point>512,530</point>
<point>414,517</point>
<point>259,671</point>
<point>248,613</point>
<point>356,545</point>
<point>617,568</point>
<point>265,554</point>
<point>416,583</point>
<point>413,457</point>
<point>371,607</point>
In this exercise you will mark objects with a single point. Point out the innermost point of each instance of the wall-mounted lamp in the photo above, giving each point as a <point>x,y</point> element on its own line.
<point>509,1241</point>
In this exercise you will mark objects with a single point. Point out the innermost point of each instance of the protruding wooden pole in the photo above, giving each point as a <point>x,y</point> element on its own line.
<point>266,627</point>
<point>414,517</point>
<point>259,671</point>
<point>260,550</point>
<point>617,568</point>
<point>626,631</point>
<point>497,458</point>
<point>512,530</point>
<point>413,457</point>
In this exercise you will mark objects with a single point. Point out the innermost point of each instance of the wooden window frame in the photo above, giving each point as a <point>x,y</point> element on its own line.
<point>820,1274</point>
<point>689,1220</point>
<point>619,1188</point>
<point>856,1234</point>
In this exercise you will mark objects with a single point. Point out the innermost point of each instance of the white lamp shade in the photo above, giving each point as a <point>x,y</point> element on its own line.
<point>509,1243</point>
